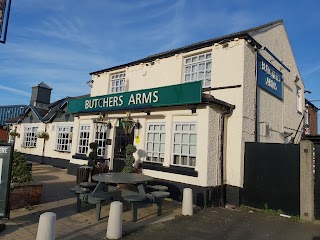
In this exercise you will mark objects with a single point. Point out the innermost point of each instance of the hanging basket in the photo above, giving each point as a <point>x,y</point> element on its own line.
<point>43,135</point>
<point>14,134</point>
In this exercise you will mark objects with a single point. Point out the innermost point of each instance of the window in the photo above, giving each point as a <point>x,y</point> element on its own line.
<point>299,99</point>
<point>64,138</point>
<point>117,82</point>
<point>30,137</point>
<point>184,144</point>
<point>155,144</point>
<point>84,139</point>
<point>198,68</point>
<point>100,138</point>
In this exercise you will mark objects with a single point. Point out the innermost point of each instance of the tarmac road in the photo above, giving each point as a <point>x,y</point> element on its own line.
<point>229,224</point>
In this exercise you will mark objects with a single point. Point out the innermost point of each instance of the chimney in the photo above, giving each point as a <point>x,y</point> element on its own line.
<point>40,96</point>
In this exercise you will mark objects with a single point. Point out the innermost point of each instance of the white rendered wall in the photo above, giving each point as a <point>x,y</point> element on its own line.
<point>280,115</point>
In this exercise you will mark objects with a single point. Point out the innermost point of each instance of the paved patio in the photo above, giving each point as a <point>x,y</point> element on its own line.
<point>57,198</point>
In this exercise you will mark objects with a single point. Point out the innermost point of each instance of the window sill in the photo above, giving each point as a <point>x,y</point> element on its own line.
<point>172,169</point>
<point>80,156</point>
<point>28,146</point>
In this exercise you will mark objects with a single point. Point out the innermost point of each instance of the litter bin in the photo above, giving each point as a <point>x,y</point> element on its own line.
<point>84,174</point>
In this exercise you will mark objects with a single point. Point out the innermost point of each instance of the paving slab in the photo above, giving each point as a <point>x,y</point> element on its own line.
<point>57,198</point>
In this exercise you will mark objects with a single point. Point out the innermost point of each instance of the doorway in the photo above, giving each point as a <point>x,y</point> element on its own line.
<point>122,140</point>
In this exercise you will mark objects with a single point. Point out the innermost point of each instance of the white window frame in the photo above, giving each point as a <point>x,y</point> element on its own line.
<point>83,140</point>
<point>299,97</point>
<point>177,146</point>
<point>117,82</point>
<point>64,138</point>
<point>198,68</point>
<point>30,136</point>
<point>155,146</point>
<point>100,137</point>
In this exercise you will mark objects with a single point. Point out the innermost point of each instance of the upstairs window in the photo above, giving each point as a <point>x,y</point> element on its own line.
<point>117,82</point>
<point>198,68</point>
<point>30,137</point>
<point>84,139</point>
<point>64,138</point>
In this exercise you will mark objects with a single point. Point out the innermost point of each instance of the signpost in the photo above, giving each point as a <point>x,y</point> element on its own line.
<point>4,19</point>
<point>6,157</point>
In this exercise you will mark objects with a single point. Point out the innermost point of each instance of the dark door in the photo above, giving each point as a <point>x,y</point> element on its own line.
<point>121,141</point>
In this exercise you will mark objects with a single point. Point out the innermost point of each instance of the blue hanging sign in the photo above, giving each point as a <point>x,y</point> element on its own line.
<point>269,78</point>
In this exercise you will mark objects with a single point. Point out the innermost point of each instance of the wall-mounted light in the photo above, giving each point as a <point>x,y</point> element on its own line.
<point>137,125</point>
<point>109,125</point>
<point>90,83</point>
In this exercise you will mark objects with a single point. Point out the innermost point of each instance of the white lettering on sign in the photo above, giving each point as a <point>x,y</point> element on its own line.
<point>116,101</point>
<point>104,102</point>
<point>144,98</point>
<point>3,150</point>
<point>273,74</point>
<point>272,84</point>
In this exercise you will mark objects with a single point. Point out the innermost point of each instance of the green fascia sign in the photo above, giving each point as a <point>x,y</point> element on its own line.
<point>174,95</point>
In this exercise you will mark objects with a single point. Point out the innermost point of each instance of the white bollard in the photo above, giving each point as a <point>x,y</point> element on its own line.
<point>47,226</point>
<point>114,229</point>
<point>187,202</point>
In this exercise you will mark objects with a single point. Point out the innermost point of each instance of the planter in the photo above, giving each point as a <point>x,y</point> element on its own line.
<point>25,195</point>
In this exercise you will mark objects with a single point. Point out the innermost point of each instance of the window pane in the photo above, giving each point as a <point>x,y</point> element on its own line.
<point>193,139</point>
<point>184,160</point>
<point>150,137</point>
<point>176,148</point>
<point>185,149</point>
<point>193,150</point>
<point>177,138</point>
<point>185,138</point>
<point>176,159</point>
<point>157,137</point>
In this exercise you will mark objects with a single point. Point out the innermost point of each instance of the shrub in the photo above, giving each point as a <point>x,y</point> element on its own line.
<point>93,154</point>
<point>130,150</point>
<point>21,170</point>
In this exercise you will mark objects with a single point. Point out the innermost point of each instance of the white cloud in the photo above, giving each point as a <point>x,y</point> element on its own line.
<point>15,91</point>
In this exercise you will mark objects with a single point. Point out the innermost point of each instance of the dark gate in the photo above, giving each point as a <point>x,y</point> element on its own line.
<point>317,181</point>
<point>121,141</point>
<point>272,177</point>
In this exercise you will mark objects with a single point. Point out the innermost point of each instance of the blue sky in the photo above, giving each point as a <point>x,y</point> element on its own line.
<point>60,42</point>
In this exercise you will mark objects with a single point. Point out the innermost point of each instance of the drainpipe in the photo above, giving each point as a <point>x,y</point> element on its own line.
<point>222,190</point>
<point>256,102</point>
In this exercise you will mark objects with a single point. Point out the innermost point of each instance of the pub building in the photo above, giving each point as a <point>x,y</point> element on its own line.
<point>190,111</point>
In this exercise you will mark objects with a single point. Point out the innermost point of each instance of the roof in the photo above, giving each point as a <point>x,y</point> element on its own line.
<point>307,102</point>
<point>43,85</point>
<point>242,34</point>
<point>10,111</point>
<point>45,115</point>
